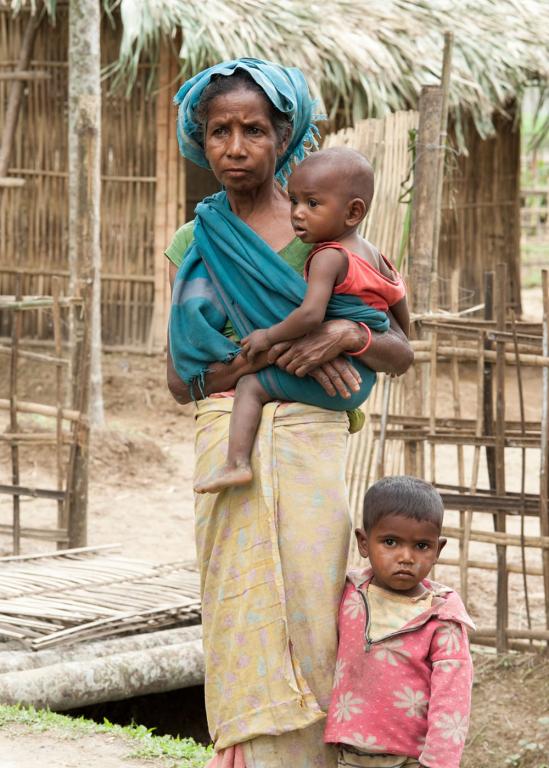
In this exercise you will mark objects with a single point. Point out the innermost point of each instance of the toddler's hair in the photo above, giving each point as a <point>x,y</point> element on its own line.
<point>347,167</point>
<point>405,496</point>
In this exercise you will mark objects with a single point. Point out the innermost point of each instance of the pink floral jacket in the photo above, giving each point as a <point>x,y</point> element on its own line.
<point>410,692</point>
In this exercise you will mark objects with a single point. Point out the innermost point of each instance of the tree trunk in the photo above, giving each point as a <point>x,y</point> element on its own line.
<point>85,178</point>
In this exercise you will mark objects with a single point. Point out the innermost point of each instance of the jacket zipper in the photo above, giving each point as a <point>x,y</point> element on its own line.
<point>368,642</point>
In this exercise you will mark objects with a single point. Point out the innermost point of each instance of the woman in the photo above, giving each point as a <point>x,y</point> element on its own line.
<point>272,555</point>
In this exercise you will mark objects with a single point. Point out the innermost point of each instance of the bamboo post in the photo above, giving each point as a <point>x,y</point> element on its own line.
<point>463,543</point>
<point>544,452</point>
<point>15,476</point>
<point>16,94</point>
<point>502,612</point>
<point>56,316</point>
<point>421,247</point>
<point>488,395</point>
<point>425,191</point>
<point>442,139</point>
<point>522,470</point>
<point>166,200</point>
<point>76,491</point>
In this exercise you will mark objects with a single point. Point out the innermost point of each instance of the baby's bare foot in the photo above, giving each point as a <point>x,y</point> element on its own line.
<point>228,476</point>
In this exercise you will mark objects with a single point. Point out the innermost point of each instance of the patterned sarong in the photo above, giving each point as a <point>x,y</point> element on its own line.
<point>272,557</point>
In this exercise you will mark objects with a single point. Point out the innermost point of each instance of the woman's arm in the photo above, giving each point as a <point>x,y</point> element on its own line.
<point>388,352</point>
<point>337,377</point>
<point>222,376</point>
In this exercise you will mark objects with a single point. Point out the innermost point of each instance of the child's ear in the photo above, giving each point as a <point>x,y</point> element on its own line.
<point>356,211</point>
<point>362,541</point>
<point>441,544</point>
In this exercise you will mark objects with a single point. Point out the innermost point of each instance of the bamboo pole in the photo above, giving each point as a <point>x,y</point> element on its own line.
<point>23,354</point>
<point>76,487</point>
<point>15,477</point>
<point>502,591</point>
<point>486,565</point>
<point>62,519</point>
<point>168,164</point>
<point>421,249</point>
<point>441,157</point>
<point>544,445</point>
<point>16,93</point>
<point>24,406</point>
<point>425,192</point>
<point>446,352</point>
<point>499,538</point>
<point>25,75</point>
<point>522,475</point>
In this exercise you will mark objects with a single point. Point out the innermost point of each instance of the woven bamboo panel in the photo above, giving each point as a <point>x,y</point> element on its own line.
<point>62,598</point>
<point>34,219</point>
<point>481,213</point>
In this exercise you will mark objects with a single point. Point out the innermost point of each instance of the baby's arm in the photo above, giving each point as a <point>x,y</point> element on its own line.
<point>399,310</point>
<point>325,270</point>
<point>450,699</point>
<point>401,313</point>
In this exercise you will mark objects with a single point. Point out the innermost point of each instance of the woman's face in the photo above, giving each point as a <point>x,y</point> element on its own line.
<point>240,141</point>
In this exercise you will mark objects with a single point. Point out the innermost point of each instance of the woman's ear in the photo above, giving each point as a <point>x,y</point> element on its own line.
<point>356,211</point>
<point>284,141</point>
<point>362,541</point>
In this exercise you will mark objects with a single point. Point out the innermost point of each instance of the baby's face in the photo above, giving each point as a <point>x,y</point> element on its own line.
<point>319,206</point>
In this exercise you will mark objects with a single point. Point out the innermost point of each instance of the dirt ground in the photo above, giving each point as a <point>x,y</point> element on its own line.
<point>20,747</point>
<point>140,496</point>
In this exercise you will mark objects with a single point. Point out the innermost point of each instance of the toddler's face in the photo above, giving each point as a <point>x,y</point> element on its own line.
<point>319,209</point>
<point>402,551</point>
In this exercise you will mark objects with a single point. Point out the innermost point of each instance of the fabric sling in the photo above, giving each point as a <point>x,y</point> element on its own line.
<point>229,271</point>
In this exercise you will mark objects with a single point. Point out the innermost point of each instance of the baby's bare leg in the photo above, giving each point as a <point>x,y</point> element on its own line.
<point>249,400</point>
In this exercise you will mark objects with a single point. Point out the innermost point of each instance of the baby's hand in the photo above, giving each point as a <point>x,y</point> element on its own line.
<point>256,342</point>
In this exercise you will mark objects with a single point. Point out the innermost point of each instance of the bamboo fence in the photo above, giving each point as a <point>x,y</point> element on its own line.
<point>68,435</point>
<point>497,354</point>
<point>34,217</point>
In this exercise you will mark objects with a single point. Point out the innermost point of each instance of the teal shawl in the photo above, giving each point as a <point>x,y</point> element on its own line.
<point>229,271</point>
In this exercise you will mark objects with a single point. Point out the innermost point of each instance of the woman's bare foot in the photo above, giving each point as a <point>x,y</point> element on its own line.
<point>227,476</point>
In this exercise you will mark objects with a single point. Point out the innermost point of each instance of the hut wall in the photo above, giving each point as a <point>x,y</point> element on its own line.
<point>34,218</point>
<point>481,212</point>
<point>481,224</point>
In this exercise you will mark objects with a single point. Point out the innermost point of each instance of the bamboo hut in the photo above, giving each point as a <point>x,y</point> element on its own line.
<point>363,59</point>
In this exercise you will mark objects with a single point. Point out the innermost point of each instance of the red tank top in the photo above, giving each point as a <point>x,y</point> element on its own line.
<point>364,280</point>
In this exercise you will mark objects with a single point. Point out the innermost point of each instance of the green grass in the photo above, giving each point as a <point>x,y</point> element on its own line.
<point>185,752</point>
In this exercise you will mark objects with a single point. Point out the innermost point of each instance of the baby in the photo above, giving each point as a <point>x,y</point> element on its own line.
<point>330,194</point>
<point>403,678</point>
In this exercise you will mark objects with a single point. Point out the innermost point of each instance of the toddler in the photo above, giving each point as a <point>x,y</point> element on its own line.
<point>402,684</point>
<point>330,194</point>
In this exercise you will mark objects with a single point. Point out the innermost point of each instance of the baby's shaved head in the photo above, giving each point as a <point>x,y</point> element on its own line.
<point>341,167</point>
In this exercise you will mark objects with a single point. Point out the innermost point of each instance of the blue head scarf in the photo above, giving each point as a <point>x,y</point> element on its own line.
<point>286,89</point>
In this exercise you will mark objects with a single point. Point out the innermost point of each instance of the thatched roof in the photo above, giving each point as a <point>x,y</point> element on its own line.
<point>361,57</point>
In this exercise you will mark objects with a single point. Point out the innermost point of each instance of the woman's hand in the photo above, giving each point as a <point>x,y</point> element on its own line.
<point>337,377</point>
<point>388,352</point>
<point>319,354</point>
<point>322,346</point>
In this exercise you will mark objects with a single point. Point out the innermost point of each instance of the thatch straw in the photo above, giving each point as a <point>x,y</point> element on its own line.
<point>363,58</point>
